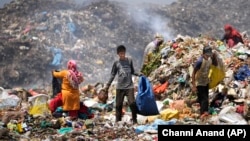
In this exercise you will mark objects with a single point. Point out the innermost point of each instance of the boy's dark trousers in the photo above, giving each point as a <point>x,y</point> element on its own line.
<point>202,94</point>
<point>120,94</point>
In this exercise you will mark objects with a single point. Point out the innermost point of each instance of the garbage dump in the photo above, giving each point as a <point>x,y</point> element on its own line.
<point>31,119</point>
<point>196,17</point>
<point>26,114</point>
<point>52,34</point>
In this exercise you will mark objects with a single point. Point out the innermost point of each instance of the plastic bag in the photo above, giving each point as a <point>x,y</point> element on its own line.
<point>57,54</point>
<point>169,114</point>
<point>154,125</point>
<point>161,88</point>
<point>229,116</point>
<point>178,105</point>
<point>8,101</point>
<point>145,99</point>
<point>72,27</point>
<point>216,74</point>
<point>242,73</point>
<point>39,105</point>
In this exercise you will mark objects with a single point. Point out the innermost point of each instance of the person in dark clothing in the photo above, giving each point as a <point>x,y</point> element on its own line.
<point>220,98</point>
<point>231,36</point>
<point>124,69</point>
<point>56,85</point>
<point>200,78</point>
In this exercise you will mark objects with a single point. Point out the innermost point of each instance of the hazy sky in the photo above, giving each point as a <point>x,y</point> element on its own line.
<point>2,2</point>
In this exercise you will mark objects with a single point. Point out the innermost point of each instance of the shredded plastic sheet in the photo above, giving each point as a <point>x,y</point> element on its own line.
<point>8,101</point>
<point>39,105</point>
<point>229,115</point>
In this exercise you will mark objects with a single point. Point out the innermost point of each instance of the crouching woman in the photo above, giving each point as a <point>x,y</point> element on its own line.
<point>69,98</point>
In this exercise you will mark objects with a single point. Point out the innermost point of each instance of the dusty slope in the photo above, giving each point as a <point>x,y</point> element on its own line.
<point>99,27</point>
<point>194,17</point>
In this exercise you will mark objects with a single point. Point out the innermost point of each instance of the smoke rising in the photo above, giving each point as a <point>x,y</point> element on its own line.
<point>153,21</point>
<point>140,11</point>
<point>134,34</point>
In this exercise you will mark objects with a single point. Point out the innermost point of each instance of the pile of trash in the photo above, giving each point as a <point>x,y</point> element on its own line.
<point>56,31</point>
<point>27,115</point>
<point>62,30</point>
<point>198,17</point>
<point>172,77</point>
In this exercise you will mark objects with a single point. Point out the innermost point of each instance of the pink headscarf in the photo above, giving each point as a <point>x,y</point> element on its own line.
<point>74,77</point>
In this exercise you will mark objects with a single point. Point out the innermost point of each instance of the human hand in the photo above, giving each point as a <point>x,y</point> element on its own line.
<point>194,89</point>
<point>81,79</point>
<point>106,89</point>
<point>140,74</point>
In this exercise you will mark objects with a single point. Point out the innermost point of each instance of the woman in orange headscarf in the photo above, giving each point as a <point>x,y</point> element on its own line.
<point>231,36</point>
<point>69,98</point>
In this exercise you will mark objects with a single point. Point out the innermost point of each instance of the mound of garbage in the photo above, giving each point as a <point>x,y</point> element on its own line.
<point>25,113</point>
<point>206,17</point>
<point>43,41</point>
<point>89,33</point>
<point>49,34</point>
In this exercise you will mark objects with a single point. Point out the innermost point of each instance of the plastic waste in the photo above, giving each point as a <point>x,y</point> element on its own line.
<point>165,51</point>
<point>167,101</point>
<point>12,126</point>
<point>216,76</point>
<point>89,123</point>
<point>39,105</point>
<point>178,105</point>
<point>154,125</point>
<point>159,105</point>
<point>243,57</point>
<point>57,53</point>
<point>222,48</point>
<point>8,101</point>
<point>142,119</point>
<point>65,130</point>
<point>169,114</point>
<point>151,119</point>
<point>146,97</point>
<point>91,103</point>
<point>72,27</point>
<point>242,73</point>
<point>229,115</point>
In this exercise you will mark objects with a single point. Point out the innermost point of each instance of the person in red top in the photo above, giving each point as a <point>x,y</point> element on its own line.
<point>231,36</point>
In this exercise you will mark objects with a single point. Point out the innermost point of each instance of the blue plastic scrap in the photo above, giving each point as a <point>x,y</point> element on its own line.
<point>242,73</point>
<point>154,125</point>
<point>65,130</point>
<point>146,97</point>
<point>57,53</point>
<point>72,27</point>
